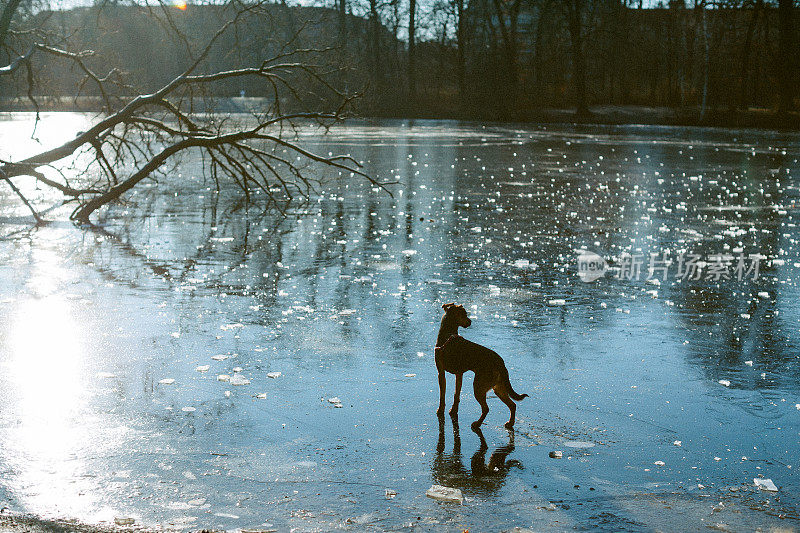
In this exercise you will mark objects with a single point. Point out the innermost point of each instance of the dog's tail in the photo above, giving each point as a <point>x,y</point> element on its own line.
<point>513,394</point>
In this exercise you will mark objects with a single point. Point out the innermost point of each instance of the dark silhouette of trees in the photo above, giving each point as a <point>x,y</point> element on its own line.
<point>496,59</point>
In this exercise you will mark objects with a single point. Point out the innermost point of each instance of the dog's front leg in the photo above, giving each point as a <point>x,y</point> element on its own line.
<point>457,396</point>
<point>442,388</point>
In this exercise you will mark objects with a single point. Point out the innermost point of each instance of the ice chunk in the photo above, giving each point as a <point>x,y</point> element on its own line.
<point>411,375</point>
<point>335,399</point>
<point>124,521</point>
<point>223,377</point>
<point>238,379</point>
<point>765,484</point>
<point>578,444</point>
<point>188,409</point>
<point>724,382</point>
<point>557,301</point>
<point>167,381</point>
<point>203,368</point>
<point>106,375</point>
<point>556,454</point>
<point>273,375</point>
<point>445,494</point>
<point>262,396</point>
<point>659,463</point>
<point>389,494</point>
<point>220,357</point>
<point>748,363</point>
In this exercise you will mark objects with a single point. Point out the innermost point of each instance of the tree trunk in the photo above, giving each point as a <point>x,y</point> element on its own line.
<point>575,23</point>
<point>412,63</point>
<point>508,34</point>
<point>706,65</point>
<point>342,9</point>
<point>745,59</point>
<point>785,56</point>
<point>374,38</point>
<point>461,66</point>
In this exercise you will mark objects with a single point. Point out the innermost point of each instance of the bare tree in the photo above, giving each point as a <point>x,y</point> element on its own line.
<point>138,133</point>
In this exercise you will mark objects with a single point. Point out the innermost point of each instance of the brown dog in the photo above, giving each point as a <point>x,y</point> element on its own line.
<point>456,355</point>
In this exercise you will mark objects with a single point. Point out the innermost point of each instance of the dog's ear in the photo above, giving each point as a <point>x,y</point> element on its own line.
<point>448,306</point>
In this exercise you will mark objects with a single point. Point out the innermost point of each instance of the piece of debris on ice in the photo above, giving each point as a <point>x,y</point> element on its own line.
<point>262,396</point>
<point>659,463</point>
<point>411,375</point>
<point>167,381</point>
<point>677,443</point>
<point>556,454</point>
<point>238,379</point>
<point>557,301</point>
<point>335,399</point>
<point>124,521</point>
<point>765,484</point>
<point>389,494</point>
<point>724,382</point>
<point>203,368</point>
<point>445,494</point>
<point>578,444</point>
<point>273,375</point>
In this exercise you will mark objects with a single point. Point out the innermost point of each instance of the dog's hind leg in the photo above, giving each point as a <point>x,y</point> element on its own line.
<point>457,395</point>
<point>502,393</point>
<point>480,394</point>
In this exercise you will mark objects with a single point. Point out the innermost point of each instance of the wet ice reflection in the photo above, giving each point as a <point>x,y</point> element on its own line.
<point>343,302</point>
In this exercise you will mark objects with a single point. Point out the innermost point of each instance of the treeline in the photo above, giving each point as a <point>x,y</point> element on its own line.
<point>502,59</point>
<point>510,58</point>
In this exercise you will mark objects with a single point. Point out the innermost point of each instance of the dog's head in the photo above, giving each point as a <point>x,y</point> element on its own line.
<point>457,313</point>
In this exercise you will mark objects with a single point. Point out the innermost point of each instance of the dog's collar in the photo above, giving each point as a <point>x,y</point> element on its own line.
<point>451,337</point>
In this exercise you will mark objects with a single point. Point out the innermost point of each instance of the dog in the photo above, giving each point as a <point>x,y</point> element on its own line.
<point>455,354</point>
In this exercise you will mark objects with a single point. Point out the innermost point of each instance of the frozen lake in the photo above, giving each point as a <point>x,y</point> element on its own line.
<point>666,396</point>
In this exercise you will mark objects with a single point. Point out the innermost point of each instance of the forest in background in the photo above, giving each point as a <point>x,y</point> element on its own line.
<point>483,59</point>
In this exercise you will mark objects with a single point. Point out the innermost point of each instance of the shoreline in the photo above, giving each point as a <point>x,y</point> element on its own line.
<point>26,523</point>
<point>604,114</point>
